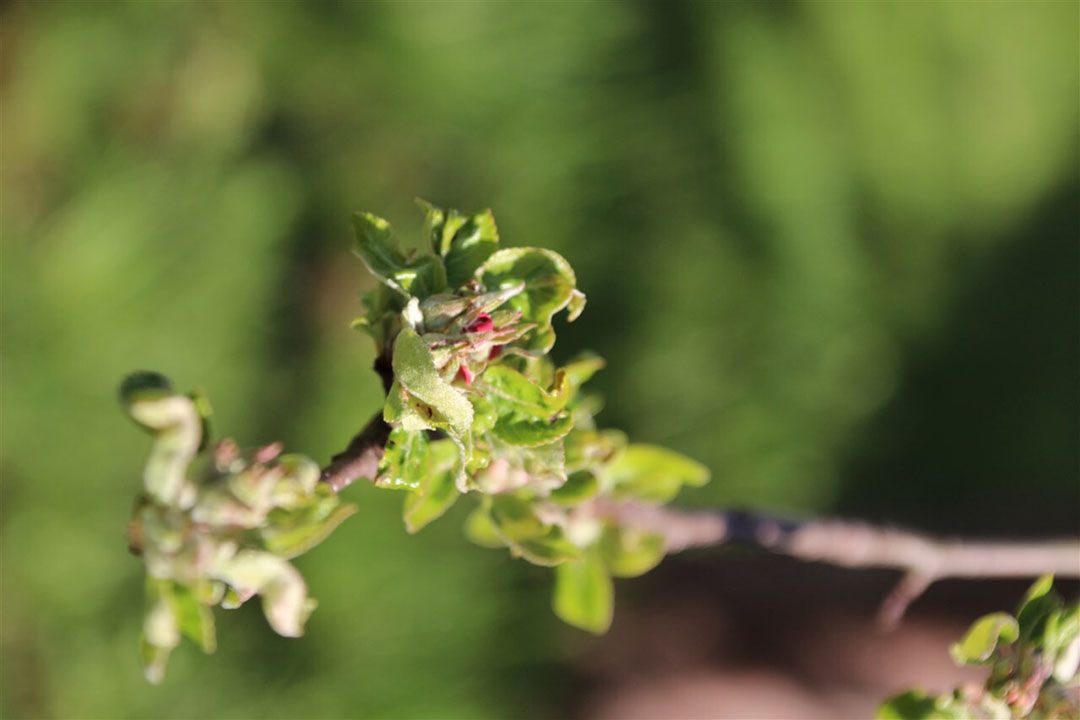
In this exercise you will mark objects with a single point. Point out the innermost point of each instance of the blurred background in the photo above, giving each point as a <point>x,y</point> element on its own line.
<point>830,250</point>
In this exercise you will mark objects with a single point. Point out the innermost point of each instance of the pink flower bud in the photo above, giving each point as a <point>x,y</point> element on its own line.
<point>466,374</point>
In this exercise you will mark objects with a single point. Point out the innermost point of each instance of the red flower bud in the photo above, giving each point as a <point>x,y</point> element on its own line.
<point>481,324</point>
<point>496,351</point>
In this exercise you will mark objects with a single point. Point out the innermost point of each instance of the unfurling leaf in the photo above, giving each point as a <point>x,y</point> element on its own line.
<point>284,594</point>
<point>177,424</point>
<point>218,527</point>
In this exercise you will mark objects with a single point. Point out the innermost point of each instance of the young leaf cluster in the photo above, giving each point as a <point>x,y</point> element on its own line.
<point>1033,658</point>
<point>216,527</point>
<point>477,407</point>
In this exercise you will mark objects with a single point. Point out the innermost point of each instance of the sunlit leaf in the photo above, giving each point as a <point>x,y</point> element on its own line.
<point>549,281</point>
<point>1038,603</point>
<point>376,246</point>
<point>983,637</point>
<point>526,431</point>
<point>510,390</point>
<point>404,464</point>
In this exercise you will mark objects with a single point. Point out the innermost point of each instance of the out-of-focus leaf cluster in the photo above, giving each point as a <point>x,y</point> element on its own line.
<point>218,527</point>
<point>1033,659</point>
<point>477,406</point>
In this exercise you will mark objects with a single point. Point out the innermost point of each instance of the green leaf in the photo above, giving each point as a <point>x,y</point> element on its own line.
<point>376,246</point>
<point>576,306</point>
<point>440,310</point>
<point>382,315</point>
<point>464,242</point>
<point>422,277</point>
<point>480,529</point>
<point>512,391</point>
<point>473,243</point>
<point>515,519</point>
<point>579,487</point>
<point>516,524</point>
<point>155,660</point>
<point>418,277</point>
<point>293,539</point>
<point>527,413</point>
<point>1038,603</point>
<point>549,550</point>
<point>195,619</point>
<point>582,368</point>
<point>484,414</point>
<point>652,473</point>
<point>161,630</point>
<point>584,595</point>
<point>549,281</point>
<point>983,637</point>
<point>538,341</point>
<point>629,552</point>
<point>440,225</point>
<point>1061,642</point>
<point>532,432</point>
<point>437,491</point>
<point>590,449</point>
<point>414,368</point>
<point>912,705</point>
<point>404,464</point>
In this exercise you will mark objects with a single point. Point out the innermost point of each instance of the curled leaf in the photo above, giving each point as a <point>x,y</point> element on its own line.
<point>983,637</point>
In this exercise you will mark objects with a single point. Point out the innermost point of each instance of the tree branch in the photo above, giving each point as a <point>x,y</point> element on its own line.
<point>362,455</point>
<point>924,559</point>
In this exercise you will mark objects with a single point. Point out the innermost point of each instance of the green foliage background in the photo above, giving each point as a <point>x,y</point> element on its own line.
<point>830,250</point>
